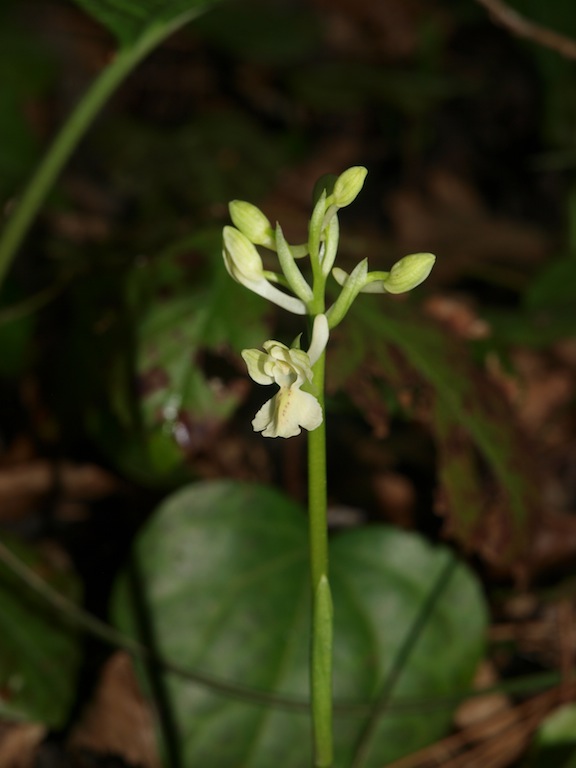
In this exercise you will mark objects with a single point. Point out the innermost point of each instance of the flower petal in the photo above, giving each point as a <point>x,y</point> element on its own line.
<point>287,412</point>
<point>255,362</point>
<point>268,291</point>
<point>320,334</point>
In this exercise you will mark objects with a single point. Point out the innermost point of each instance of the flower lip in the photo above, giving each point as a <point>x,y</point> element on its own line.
<point>287,412</point>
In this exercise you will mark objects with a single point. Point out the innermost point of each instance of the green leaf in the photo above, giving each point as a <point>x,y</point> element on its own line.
<point>555,741</point>
<point>273,33</point>
<point>130,19</point>
<point>163,373</point>
<point>39,652</point>
<point>26,73</point>
<point>16,335</point>
<point>348,85</point>
<point>534,328</point>
<point>553,286</point>
<point>223,569</point>
<point>468,411</point>
<point>187,316</point>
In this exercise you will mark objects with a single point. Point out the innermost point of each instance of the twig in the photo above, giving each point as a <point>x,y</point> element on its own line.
<point>523,27</point>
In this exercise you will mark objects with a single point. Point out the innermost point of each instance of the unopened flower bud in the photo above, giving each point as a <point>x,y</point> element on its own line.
<point>241,258</point>
<point>409,272</point>
<point>348,185</point>
<point>244,264</point>
<point>252,222</point>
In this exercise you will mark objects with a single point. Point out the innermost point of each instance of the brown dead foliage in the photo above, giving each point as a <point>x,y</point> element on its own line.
<point>118,720</point>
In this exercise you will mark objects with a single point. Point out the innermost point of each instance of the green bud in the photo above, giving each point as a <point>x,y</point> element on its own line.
<point>409,272</point>
<point>348,185</point>
<point>253,223</point>
<point>244,264</point>
<point>241,258</point>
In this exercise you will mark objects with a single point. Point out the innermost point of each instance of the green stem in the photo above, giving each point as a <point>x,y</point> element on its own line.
<point>321,642</point>
<point>71,133</point>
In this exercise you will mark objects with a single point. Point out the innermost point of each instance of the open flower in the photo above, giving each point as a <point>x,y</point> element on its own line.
<point>290,409</point>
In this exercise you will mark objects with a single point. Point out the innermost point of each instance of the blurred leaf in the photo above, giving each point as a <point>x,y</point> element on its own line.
<point>16,134</point>
<point>16,335</point>
<point>350,85</point>
<point>39,652</point>
<point>260,31</point>
<point>555,740</point>
<point>130,19</point>
<point>531,328</point>
<point>223,568</point>
<point>467,411</point>
<point>547,314</point>
<point>185,311</point>
<point>178,174</point>
<point>26,72</point>
<point>553,286</point>
<point>556,71</point>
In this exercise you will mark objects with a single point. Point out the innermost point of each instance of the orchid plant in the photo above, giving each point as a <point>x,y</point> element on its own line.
<point>299,374</point>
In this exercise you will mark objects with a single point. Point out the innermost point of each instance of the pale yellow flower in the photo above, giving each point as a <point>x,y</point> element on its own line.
<point>290,409</point>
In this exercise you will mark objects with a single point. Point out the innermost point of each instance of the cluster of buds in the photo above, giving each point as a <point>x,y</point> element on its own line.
<point>291,368</point>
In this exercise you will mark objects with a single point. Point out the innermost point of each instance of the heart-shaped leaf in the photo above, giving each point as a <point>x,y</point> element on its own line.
<point>224,577</point>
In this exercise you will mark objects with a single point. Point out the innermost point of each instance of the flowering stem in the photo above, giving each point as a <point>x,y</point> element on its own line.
<point>321,641</point>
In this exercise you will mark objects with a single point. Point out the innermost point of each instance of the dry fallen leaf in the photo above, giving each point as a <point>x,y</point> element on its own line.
<point>19,743</point>
<point>118,721</point>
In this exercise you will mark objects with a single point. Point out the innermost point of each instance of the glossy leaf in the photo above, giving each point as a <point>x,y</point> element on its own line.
<point>39,651</point>
<point>223,569</point>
